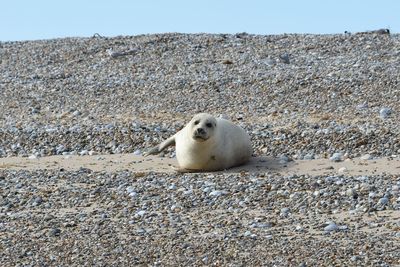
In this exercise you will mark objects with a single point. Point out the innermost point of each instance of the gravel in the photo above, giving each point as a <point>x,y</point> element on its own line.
<point>90,218</point>
<point>298,96</point>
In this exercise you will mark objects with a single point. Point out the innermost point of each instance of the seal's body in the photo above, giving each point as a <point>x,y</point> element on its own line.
<point>208,144</point>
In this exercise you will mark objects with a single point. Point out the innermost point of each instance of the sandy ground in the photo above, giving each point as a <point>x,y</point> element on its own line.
<point>156,164</point>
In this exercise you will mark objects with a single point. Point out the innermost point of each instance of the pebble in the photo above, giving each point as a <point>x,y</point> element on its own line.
<point>175,208</point>
<point>130,189</point>
<point>284,58</point>
<point>270,61</point>
<point>92,153</point>
<point>84,152</point>
<point>217,193</point>
<point>362,106</point>
<point>37,201</point>
<point>249,234</point>
<point>283,159</point>
<point>383,201</point>
<point>336,157</point>
<point>268,237</point>
<point>385,112</point>
<point>331,227</point>
<point>396,189</point>
<point>55,232</point>
<point>284,212</point>
<point>33,156</point>
<point>172,187</point>
<point>76,113</point>
<point>350,192</point>
<point>140,213</point>
<point>309,156</point>
<point>261,225</point>
<point>366,157</point>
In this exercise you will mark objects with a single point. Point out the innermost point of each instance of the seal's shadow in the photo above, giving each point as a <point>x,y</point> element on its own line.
<point>260,164</point>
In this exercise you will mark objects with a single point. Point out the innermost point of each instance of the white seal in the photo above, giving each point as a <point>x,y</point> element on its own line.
<point>208,144</point>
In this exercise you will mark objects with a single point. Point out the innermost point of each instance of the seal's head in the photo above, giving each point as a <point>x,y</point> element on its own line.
<point>202,127</point>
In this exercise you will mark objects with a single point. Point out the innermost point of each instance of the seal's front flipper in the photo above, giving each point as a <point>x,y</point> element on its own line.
<point>157,149</point>
<point>152,151</point>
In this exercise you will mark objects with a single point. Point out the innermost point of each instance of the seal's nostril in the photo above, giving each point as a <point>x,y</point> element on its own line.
<point>200,130</point>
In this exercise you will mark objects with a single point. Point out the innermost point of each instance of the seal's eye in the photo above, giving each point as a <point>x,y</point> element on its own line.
<point>209,125</point>
<point>196,122</point>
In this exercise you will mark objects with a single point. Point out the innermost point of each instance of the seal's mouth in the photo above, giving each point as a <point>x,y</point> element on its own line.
<point>199,138</point>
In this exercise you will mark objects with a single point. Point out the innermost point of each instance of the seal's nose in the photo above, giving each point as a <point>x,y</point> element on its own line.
<point>200,131</point>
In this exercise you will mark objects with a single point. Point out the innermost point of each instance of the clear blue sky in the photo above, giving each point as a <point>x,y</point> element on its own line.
<point>45,19</point>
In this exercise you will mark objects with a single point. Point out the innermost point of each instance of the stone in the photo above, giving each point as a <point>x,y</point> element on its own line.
<point>366,157</point>
<point>336,157</point>
<point>331,227</point>
<point>385,112</point>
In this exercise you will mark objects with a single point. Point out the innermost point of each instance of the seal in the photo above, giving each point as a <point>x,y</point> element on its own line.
<point>208,144</point>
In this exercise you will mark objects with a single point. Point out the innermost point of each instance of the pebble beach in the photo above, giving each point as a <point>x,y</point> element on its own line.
<point>331,98</point>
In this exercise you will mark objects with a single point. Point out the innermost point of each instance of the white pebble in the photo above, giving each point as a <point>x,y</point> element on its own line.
<point>350,192</point>
<point>92,153</point>
<point>316,193</point>
<point>284,212</point>
<point>175,208</point>
<point>130,189</point>
<point>366,157</point>
<point>33,156</point>
<point>140,213</point>
<point>383,201</point>
<point>385,112</point>
<point>172,187</point>
<point>336,157</point>
<point>331,227</point>
<point>206,189</point>
<point>217,193</point>
<point>84,152</point>
<point>250,234</point>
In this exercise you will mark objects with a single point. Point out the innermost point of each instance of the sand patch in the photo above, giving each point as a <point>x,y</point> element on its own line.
<point>118,162</point>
